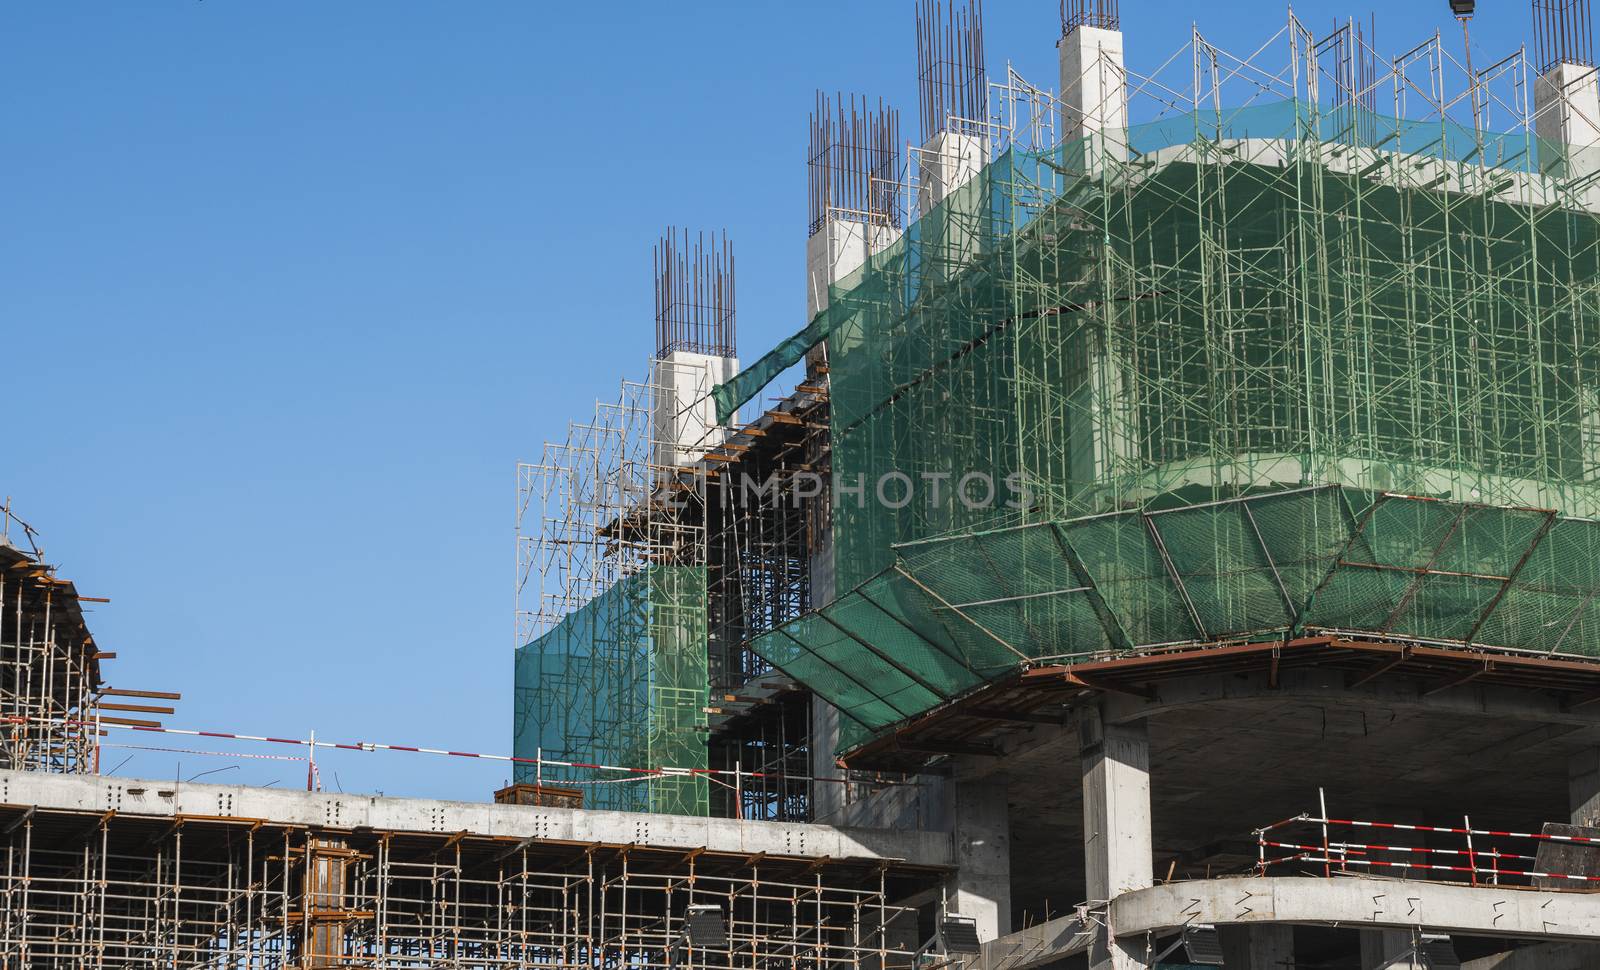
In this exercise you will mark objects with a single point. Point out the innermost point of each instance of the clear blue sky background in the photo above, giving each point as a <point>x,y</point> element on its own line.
<point>287,288</point>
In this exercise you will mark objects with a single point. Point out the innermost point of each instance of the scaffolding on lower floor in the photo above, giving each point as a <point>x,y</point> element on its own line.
<point>84,889</point>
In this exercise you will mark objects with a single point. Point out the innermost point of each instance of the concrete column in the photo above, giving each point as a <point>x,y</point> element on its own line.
<point>947,162</point>
<point>1094,94</point>
<point>834,251</point>
<point>1566,106</point>
<point>1583,787</point>
<point>682,415</point>
<point>838,249</point>
<point>1389,950</point>
<point>1264,947</point>
<point>827,797</point>
<point>1118,852</point>
<point>982,833</point>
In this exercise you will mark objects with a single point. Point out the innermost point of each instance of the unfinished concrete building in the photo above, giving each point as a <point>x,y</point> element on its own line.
<point>1189,501</point>
<point>1173,543</point>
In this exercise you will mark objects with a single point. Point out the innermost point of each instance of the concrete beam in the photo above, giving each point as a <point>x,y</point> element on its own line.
<point>1498,703</point>
<point>1358,903</point>
<point>169,799</point>
<point>1310,686</point>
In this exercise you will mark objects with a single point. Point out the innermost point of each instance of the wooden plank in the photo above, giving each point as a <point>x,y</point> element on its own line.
<point>128,721</point>
<point>135,708</point>
<point>155,695</point>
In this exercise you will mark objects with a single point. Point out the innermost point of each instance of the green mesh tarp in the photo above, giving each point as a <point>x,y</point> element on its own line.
<point>622,681</point>
<point>1277,295</point>
<point>1230,303</point>
<point>678,689</point>
<point>953,614</point>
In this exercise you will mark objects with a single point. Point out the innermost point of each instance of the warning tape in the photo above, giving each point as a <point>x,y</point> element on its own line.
<point>736,774</point>
<point>1434,867</point>
<point>219,754</point>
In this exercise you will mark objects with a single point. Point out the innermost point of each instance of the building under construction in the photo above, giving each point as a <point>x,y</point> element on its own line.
<point>1226,430</point>
<point>1172,540</point>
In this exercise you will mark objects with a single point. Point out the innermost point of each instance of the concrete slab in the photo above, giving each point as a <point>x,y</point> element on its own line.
<point>167,799</point>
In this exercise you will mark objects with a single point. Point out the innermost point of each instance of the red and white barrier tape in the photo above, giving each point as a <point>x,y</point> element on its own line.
<point>414,749</point>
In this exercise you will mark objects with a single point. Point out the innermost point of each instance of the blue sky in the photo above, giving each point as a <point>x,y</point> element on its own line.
<point>287,289</point>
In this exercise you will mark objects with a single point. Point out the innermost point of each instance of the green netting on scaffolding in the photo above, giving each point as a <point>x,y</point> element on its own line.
<point>679,688</point>
<point>955,613</point>
<point>621,681</point>
<point>1231,303</point>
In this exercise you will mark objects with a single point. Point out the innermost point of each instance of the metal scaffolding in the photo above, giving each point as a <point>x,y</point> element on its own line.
<point>49,664</point>
<point>1314,264</point>
<point>81,889</point>
<point>611,662</point>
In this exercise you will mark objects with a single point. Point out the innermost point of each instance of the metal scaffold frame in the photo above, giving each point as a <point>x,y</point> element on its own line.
<point>611,614</point>
<point>91,890</point>
<point>49,664</point>
<point>1311,265</point>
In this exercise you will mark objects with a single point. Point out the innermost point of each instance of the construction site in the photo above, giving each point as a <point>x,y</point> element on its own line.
<point>1172,540</point>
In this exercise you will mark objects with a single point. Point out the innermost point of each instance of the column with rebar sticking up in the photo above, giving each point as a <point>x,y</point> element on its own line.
<point>853,179</point>
<point>1094,90</point>
<point>953,88</point>
<point>695,344</point>
<point>1566,98</point>
<point>853,187</point>
<point>952,85</point>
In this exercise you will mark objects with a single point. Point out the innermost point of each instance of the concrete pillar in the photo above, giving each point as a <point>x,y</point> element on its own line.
<point>682,414</point>
<point>1094,95</point>
<point>1094,118</point>
<point>948,161</point>
<point>827,797</point>
<point>834,251</point>
<point>1583,787</point>
<point>981,827</point>
<point>837,249</point>
<point>1118,852</point>
<point>1566,106</point>
<point>954,223</point>
<point>1268,946</point>
<point>1389,950</point>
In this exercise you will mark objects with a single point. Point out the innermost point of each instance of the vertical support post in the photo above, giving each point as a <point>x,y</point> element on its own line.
<point>1583,787</point>
<point>1389,950</point>
<point>1268,946</point>
<point>1094,96</point>
<point>982,832</point>
<point>1566,117</point>
<point>1117,844</point>
<point>827,788</point>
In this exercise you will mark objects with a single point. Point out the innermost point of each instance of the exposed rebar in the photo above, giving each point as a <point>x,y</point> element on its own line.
<point>695,295</point>
<point>951,79</point>
<point>1089,13</point>
<point>1562,34</point>
<point>853,162</point>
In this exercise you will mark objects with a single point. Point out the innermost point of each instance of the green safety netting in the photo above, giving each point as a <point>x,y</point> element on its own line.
<point>1214,305</point>
<point>622,681</point>
<point>952,614</point>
